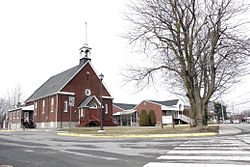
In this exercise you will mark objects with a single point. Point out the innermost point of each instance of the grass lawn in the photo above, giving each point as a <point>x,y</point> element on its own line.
<point>144,130</point>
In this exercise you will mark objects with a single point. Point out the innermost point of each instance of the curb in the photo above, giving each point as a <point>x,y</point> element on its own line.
<point>138,136</point>
<point>7,131</point>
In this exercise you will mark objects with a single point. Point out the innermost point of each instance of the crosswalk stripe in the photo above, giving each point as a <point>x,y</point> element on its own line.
<point>214,148</point>
<point>208,152</point>
<point>209,145</point>
<point>161,164</point>
<point>191,157</point>
<point>211,152</point>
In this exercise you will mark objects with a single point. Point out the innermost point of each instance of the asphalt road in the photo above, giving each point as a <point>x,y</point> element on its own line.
<point>45,148</point>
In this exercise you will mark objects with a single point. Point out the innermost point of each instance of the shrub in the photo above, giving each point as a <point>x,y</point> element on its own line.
<point>144,121</point>
<point>152,118</point>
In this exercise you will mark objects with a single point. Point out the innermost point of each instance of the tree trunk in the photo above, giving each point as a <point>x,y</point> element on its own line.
<point>198,114</point>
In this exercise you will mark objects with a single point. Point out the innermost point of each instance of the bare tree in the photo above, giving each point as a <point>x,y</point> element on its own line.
<point>197,47</point>
<point>3,109</point>
<point>15,97</point>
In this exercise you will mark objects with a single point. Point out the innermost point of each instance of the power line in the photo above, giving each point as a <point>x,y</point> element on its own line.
<point>240,103</point>
<point>244,94</point>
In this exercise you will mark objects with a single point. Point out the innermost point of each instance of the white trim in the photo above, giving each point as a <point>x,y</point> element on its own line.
<point>96,100</point>
<point>107,97</point>
<point>99,103</point>
<point>124,112</point>
<point>15,109</point>
<point>41,97</point>
<point>66,93</point>
<point>28,108</point>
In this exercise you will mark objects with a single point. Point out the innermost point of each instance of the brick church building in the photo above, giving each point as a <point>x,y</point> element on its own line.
<point>49,104</point>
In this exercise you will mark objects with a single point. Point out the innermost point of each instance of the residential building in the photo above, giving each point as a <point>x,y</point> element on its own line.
<point>166,112</point>
<point>125,114</point>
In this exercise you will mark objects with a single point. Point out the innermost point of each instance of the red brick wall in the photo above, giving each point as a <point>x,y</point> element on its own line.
<point>85,79</point>
<point>47,116</point>
<point>11,114</point>
<point>65,116</point>
<point>146,105</point>
<point>109,102</point>
<point>116,109</point>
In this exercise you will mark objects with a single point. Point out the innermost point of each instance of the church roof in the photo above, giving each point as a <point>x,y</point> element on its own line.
<point>55,83</point>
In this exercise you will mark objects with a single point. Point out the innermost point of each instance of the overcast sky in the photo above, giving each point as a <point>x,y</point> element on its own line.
<point>39,39</point>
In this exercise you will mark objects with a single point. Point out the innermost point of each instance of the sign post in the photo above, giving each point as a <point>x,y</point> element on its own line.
<point>71,104</point>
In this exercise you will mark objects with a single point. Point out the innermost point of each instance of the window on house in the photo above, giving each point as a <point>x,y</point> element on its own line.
<point>138,114</point>
<point>43,107</point>
<point>17,115</point>
<point>106,109</point>
<point>35,112</point>
<point>65,106</point>
<point>10,115</point>
<point>52,104</point>
<point>14,116</point>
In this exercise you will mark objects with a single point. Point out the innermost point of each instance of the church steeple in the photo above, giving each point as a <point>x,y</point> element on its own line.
<point>85,50</point>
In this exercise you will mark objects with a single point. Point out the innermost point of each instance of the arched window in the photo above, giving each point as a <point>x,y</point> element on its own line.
<point>92,105</point>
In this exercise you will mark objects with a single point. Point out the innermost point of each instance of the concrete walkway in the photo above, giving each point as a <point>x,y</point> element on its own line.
<point>223,130</point>
<point>228,129</point>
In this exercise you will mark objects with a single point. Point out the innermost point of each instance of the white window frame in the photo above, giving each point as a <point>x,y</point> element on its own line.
<point>14,115</point>
<point>10,115</point>
<point>52,104</point>
<point>17,115</point>
<point>65,107</point>
<point>106,109</point>
<point>35,112</point>
<point>138,115</point>
<point>43,106</point>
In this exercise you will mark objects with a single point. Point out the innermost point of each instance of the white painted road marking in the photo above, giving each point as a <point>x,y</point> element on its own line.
<point>197,157</point>
<point>216,152</point>
<point>208,152</point>
<point>162,164</point>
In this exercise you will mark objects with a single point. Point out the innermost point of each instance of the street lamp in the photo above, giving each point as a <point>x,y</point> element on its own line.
<point>101,76</point>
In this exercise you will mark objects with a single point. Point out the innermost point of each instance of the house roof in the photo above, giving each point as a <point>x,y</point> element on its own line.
<point>55,83</point>
<point>167,102</point>
<point>23,108</point>
<point>125,106</point>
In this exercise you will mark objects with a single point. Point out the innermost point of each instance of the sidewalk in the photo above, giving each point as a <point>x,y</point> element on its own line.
<point>223,130</point>
<point>228,129</point>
